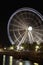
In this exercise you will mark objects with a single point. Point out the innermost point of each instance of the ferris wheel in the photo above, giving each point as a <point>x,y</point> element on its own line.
<point>25,25</point>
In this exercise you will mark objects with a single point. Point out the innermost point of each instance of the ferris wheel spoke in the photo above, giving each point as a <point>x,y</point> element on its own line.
<point>25,18</point>
<point>23,39</point>
<point>39,26</point>
<point>18,26</point>
<point>16,37</point>
<point>16,30</point>
<point>31,38</point>
<point>35,38</point>
<point>40,34</point>
<point>19,37</point>
<point>21,21</point>
<point>18,22</point>
<point>39,38</point>
<point>41,30</point>
<point>19,33</point>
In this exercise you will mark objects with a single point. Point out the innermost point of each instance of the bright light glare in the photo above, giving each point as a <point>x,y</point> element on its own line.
<point>11,60</point>
<point>36,48</point>
<point>36,64</point>
<point>11,48</point>
<point>29,28</point>
<point>20,48</point>
<point>4,59</point>
<point>5,48</point>
<point>20,63</point>
<point>27,63</point>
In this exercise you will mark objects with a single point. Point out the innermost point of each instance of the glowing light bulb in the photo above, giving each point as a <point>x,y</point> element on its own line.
<point>36,48</point>
<point>11,48</point>
<point>29,28</point>
<point>36,64</point>
<point>20,63</point>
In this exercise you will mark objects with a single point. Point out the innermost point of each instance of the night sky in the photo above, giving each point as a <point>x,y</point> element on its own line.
<point>7,8</point>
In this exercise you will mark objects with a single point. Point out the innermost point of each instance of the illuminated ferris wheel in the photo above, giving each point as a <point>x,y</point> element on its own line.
<point>25,25</point>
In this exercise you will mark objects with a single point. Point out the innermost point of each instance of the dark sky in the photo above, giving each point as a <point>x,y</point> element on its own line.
<point>7,7</point>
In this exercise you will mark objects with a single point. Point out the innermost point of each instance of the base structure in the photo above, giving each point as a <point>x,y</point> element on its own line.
<point>24,55</point>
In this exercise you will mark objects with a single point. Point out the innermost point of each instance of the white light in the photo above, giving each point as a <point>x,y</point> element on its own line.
<point>36,48</point>
<point>11,48</point>
<point>18,47</point>
<point>5,48</point>
<point>22,47</point>
<point>36,64</point>
<point>20,63</point>
<point>27,63</point>
<point>10,60</point>
<point>4,59</point>
<point>29,28</point>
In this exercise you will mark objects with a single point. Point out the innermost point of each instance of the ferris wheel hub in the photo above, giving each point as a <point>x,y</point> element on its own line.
<point>30,28</point>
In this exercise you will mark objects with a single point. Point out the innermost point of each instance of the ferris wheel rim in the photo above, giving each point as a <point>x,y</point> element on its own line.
<point>19,10</point>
